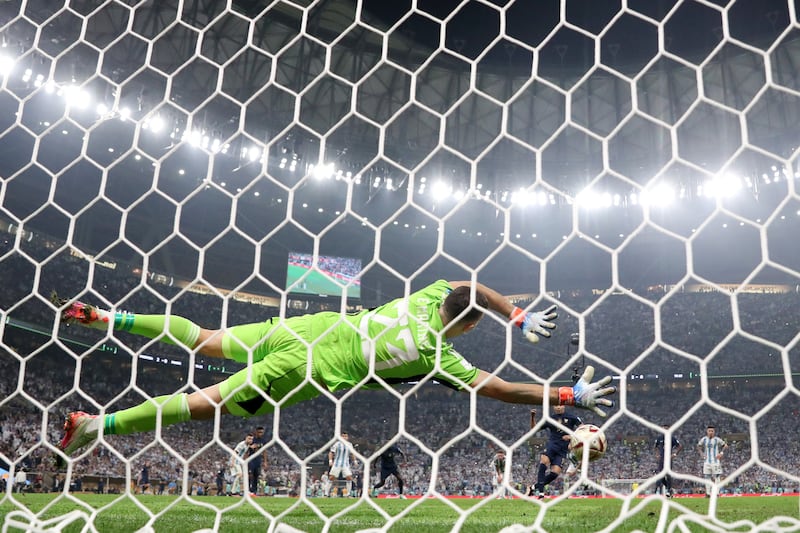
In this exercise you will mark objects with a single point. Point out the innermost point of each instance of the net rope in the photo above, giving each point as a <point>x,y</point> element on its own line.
<point>417,128</point>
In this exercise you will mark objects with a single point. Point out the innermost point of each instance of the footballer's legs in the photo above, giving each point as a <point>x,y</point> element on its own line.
<point>538,487</point>
<point>81,429</point>
<point>708,483</point>
<point>555,471</point>
<point>233,343</point>
<point>175,329</point>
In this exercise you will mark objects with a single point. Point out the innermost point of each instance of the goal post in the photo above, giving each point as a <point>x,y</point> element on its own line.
<point>634,163</point>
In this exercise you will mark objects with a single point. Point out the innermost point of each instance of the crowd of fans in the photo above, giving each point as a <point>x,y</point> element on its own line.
<point>47,376</point>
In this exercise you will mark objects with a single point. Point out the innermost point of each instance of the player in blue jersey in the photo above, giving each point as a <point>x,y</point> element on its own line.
<point>711,449</point>
<point>257,461</point>
<point>389,468</point>
<point>557,448</point>
<point>144,478</point>
<point>660,449</point>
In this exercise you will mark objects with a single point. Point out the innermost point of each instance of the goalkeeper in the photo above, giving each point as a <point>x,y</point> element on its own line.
<point>292,360</point>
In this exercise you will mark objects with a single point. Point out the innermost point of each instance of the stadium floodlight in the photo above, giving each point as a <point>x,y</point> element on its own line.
<point>440,190</point>
<point>6,65</point>
<point>541,197</point>
<point>589,199</point>
<point>156,124</point>
<point>101,109</point>
<point>723,186</point>
<point>26,77</point>
<point>124,113</point>
<point>253,153</point>
<point>76,97</point>
<point>195,138</point>
<point>521,197</point>
<point>661,195</point>
<point>324,171</point>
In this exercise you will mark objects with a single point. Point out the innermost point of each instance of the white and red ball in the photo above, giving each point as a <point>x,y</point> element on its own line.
<point>591,437</point>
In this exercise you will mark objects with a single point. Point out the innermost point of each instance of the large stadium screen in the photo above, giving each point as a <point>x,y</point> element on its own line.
<point>328,279</point>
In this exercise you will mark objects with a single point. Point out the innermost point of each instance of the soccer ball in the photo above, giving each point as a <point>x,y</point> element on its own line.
<point>591,436</point>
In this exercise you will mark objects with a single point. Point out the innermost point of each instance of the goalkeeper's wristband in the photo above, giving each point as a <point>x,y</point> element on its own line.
<point>517,316</point>
<point>566,396</point>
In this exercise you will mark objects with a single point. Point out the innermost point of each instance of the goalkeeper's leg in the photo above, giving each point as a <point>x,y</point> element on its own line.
<point>233,343</point>
<point>81,429</point>
<point>249,392</point>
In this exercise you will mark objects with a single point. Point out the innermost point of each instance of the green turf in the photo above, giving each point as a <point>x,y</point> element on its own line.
<point>121,513</point>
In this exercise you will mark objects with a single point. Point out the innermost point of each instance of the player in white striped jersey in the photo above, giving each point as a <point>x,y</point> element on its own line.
<point>711,448</point>
<point>339,461</point>
<point>237,463</point>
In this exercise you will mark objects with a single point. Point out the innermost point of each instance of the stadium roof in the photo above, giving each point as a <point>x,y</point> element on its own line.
<point>225,122</point>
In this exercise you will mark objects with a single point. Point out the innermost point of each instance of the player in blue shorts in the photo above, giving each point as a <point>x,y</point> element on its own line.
<point>389,468</point>
<point>557,448</point>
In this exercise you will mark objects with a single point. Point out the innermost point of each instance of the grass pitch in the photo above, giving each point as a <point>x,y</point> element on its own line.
<point>126,513</point>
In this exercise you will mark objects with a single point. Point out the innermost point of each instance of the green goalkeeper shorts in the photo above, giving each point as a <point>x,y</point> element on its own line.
<point>278,371</point>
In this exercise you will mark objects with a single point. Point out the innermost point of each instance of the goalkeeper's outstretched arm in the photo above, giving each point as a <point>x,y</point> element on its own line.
<point>533,324</point>
<point>584,393</point>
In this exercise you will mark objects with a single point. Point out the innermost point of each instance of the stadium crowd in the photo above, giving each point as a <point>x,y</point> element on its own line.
<point>86,369</point>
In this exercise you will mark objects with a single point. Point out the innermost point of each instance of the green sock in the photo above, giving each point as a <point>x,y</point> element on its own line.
<point>143,417</point>
<point>181,329</point>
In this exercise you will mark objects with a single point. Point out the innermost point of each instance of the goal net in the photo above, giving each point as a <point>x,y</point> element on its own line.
<point>633,162</point>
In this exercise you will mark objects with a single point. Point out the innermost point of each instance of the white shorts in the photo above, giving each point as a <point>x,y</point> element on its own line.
<point>343,470</point>
<point>712,469</point>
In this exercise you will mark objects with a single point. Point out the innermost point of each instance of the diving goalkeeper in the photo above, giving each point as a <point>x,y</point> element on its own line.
<point>293,360</point>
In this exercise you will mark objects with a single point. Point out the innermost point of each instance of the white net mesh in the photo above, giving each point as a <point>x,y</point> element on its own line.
<point>634,162</point>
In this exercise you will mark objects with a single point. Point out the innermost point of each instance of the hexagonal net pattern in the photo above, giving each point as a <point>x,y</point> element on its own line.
<point>206,174</point>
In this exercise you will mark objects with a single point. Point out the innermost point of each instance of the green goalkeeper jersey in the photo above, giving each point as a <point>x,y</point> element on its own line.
<point>401,337</point>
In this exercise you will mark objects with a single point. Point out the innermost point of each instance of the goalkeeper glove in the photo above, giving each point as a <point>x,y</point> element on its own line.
<point>586,394</point>
<point>535,324</point>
